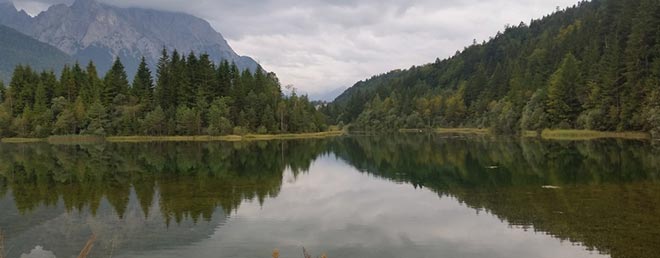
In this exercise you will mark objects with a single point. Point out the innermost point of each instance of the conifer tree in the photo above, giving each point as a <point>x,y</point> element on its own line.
<point>115,83</point>
<point>563,106</point>
<point>143,83</point>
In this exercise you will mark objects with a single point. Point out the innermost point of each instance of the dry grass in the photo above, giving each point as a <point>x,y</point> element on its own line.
<point>22,140</point>
<point>75,139</point>
<point>2,245</point>
<point>88,247</point>
<point>530,134</point>
<point>230,138</point>
<point>574,135</point>
<point>463,130</point>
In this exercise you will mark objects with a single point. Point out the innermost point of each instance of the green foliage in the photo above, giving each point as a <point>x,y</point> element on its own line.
<point>594,65</point>
<point>154,122</point>
<point>563,105</point>
<point>190,97</point>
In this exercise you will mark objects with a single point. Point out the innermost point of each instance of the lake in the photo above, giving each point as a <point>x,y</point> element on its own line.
<point>403,195</point>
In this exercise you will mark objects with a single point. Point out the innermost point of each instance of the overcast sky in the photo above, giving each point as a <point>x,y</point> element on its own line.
<point>320,46</point>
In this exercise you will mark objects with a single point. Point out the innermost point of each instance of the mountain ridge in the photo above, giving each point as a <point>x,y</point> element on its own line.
<point>19,49</point>
<point>594,66</point>
<point>89,30</point>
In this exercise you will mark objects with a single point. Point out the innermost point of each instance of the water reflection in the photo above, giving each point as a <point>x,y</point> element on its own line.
<point>243,199</point>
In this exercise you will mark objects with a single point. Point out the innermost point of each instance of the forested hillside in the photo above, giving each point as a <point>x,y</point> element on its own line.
<point>595,66</point>
<point>188,96</point>
<point>16,48</point>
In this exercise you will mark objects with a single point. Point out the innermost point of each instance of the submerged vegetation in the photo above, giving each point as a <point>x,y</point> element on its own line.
<point>594,66</point>
<point>188,96</point>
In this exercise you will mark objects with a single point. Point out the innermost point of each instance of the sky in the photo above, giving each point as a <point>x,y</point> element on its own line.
<point>322,47</point>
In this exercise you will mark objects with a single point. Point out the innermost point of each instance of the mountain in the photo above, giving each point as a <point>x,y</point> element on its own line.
<point>17,48</point>
<point>88,30</point>
<point>595,65</point>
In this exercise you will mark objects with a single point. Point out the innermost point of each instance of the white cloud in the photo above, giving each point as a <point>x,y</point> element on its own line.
<point>321,45</point>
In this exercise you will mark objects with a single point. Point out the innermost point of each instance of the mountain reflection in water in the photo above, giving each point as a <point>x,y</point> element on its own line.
<point>243,199</point>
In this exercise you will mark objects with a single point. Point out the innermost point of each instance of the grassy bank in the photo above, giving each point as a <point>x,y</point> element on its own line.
<point>463,130</point>
<point>587,135</point>
<point>229,138</point>
<point>86,139</point>
<point>447,131</point>
<point>22,140</point>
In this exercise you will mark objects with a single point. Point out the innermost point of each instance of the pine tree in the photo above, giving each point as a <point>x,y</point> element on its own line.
<point>143,83</point>
<point>95,83</point>
<point>563,106</point>
<point>163,83</point>
<point>40,99</point>
<point>223,80</point>
<point>82,86</point>
<point>115,83</point>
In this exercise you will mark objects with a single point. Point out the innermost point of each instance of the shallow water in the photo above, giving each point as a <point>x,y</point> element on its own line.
<point>387,196</point>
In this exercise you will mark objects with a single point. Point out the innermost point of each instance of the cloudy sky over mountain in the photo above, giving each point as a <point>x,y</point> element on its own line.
<point>320,46</point>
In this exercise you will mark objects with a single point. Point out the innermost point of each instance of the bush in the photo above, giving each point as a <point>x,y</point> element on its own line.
<point>239,130</point>
<point>262,130</point>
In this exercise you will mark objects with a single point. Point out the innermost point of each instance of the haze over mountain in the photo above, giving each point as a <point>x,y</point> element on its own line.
<point>88,30</point>
<point>17,48</point>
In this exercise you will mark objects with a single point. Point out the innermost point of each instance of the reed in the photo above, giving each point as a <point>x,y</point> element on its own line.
<point>2,245</point>
<point>88,247</point>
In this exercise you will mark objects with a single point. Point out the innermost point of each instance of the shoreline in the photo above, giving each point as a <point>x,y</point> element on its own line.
<point>77,139</point>
<point>550,134</point>
<point>547,134</point>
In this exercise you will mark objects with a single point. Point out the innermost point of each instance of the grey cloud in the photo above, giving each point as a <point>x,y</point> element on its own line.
<point>322,45</point>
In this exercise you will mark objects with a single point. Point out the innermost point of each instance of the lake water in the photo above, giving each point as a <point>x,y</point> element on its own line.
<point>402,196</point>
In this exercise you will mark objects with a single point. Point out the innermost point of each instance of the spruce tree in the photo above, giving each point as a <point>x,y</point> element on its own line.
<point>143,83</point>
<point>115,83</point>
<point>563,106</point>
<point>95,83</point>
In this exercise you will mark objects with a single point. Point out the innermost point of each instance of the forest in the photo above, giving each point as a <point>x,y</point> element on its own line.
<point>187,96</point>
<point>595,65</point>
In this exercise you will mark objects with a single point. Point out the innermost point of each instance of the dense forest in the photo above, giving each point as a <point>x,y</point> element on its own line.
<point>187,96</point>
<point>595,66</point>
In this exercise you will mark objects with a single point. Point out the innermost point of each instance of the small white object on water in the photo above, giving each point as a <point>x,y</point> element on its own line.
<point>493,167</point>
<point>550,187</point>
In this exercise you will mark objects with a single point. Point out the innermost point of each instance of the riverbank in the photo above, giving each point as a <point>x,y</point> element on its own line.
<point>75,139</point>
<point>577,135</point>
<point>479,131</point>
<point>547,134</point>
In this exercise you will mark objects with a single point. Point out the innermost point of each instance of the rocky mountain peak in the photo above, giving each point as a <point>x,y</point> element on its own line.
<point>89,30</point>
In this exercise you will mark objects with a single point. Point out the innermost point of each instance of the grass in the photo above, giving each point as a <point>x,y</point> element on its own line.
<point>88,139</point>
<point>591,135</point>
<point>530,134</point>
<point>234,138</point>
<point>463,130</point>
<point>75,139</point>
<point>447,130</point>
<point>23,140</point>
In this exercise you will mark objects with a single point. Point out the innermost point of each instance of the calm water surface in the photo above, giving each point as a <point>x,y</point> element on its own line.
<point>395,196</point>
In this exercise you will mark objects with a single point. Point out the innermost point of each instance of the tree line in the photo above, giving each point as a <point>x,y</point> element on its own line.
<point>595,66</point>
<point>187,96</point>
